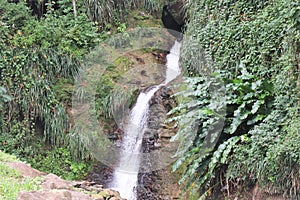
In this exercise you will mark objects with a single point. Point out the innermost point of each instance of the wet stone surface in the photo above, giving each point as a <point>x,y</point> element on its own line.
<point>155,181</point>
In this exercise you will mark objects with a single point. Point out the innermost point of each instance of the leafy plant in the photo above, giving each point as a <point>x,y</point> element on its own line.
<point>4,97</point>
<point>60,162</point>
<point>235,55</point>
<point>213,119</point>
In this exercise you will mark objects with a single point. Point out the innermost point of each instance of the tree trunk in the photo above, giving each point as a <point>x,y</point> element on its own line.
<point>74,8</point>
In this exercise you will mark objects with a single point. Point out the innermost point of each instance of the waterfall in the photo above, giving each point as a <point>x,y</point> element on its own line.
<point>173,69</point>
<point>125,176</point>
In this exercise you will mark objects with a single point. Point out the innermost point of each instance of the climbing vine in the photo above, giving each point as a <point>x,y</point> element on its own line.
<point>241,92</point>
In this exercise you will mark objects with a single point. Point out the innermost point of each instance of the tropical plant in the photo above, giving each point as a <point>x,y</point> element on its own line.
<point>34,63</point>
<point>235,55</point>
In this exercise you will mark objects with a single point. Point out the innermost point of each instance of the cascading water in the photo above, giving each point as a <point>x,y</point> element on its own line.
<point>173,69</point>
<point>126,174</point>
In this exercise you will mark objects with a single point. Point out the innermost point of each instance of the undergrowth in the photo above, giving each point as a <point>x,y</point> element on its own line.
<point>11,183</point>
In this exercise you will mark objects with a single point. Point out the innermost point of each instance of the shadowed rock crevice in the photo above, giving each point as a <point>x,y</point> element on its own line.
<point>173,18</point>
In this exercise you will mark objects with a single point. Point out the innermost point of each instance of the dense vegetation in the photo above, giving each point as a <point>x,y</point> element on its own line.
<point>41,53</point>
<point>239,123</point>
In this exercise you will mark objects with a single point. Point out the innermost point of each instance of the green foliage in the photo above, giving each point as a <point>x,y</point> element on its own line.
<point>16,141</point>
<point>209,131</point>
<point>39,62</point>
<point>63,89</point>
<point>270,153</point>
<point>250,98</point>
<point>112,12</point>
<point>10,21</point>
<point>64,33</point>
<point>14,15</point>
<point>11,185</point>
<point>4,97</point>
<point>242,61</point>
<point>37,68</point>
<point>50,160</point>
<point>32,90</point>
<point>270,156</point>
<point>112,97</point>
<point>60,162</point>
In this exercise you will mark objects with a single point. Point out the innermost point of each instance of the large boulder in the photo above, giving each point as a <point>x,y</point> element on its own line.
<point>25,170</point>
<point>52,181</point>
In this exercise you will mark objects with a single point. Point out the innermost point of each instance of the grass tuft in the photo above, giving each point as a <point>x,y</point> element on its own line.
<point>11,183</point>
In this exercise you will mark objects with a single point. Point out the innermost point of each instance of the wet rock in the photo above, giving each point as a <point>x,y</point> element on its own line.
<point>166,92</point>
<point>101,174</point>
<point>166,134</point>
<point>157,145</point>
<point>158,78</point>
<point>176,8</point>
<point>87,185</point>
<point>113,136</point>
<point>155,182</point>
<point>150,134</point>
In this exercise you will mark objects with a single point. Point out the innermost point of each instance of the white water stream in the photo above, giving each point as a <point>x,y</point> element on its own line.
<point>125,176</point>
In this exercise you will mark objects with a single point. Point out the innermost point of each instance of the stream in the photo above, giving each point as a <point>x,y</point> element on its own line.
<point>125,176</point>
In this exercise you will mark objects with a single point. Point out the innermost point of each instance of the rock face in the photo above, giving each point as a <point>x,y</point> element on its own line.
<point>101,174</point>
<point>176,8</point>
<point>155,179</point>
